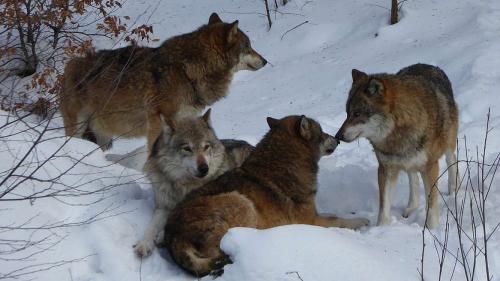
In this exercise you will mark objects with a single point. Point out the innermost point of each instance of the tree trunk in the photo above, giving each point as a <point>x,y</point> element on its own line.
<point>394,12</point>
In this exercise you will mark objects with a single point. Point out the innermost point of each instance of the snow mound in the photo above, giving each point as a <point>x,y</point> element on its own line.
<point>316,253</point>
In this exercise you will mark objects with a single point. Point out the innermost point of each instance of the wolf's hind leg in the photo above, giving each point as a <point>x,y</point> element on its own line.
<point>414,194</point>
<point>96,135</point>
<point>451,161</point>
<point>103,141</point>
<point>70,120</point>
<point>430,177</point>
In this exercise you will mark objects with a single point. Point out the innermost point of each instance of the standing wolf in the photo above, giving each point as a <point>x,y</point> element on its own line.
<point>411,120</point>
<point>121,92</point>
<point>276,185</point>
<point>186,155</point>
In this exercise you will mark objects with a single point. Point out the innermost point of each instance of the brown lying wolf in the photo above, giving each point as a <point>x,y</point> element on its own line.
<point>275,186</point>
<point>120,92</point>
<point>186,155</point>
<point>411,120</point>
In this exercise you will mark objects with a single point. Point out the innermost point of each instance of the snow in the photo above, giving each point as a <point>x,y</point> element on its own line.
<point>321,254</point>
<point>309,74</point>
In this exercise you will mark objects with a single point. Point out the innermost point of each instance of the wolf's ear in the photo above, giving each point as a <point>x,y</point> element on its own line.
<point>206,117</point>
<point>233,32</point>
<point>273,123</point>
<point>375,87</point>
<point>167,128</point>
<point>305,127</point>
<point>357,75</point>
<point>214,18</point>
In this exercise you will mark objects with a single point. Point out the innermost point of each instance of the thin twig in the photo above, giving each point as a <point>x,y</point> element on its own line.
<point>268,14</point>
<point>296,273</point>
<point>295,27</point>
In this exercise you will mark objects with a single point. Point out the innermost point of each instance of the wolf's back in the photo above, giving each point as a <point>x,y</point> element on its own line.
<point>433,75</point>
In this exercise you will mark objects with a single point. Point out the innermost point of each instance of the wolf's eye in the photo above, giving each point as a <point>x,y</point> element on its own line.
<point>206,147</point>
<point>356,114</point>
<point>187,148</point>
<point>245,44</point>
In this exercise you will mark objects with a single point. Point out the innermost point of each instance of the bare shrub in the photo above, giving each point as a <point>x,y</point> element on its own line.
<point>467,218</point>
<point>38,37</point>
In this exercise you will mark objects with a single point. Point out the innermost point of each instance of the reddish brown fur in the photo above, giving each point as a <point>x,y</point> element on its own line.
<point>121,92</point>
<point>275,186</point>
<point>416,123</point>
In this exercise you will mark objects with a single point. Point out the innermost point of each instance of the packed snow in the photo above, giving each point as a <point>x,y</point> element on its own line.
<point>309,73</point>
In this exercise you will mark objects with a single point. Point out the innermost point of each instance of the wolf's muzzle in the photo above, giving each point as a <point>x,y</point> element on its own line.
<point>339,136</point>
<point>330,143</point>
<point>264,61</point>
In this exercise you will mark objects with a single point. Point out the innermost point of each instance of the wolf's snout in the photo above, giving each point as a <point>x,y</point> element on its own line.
<point>330,144</point>
<point>339,136</point>
<point>202,170</point>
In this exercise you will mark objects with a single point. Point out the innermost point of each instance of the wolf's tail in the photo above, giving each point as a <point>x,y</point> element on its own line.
<point>191,260</point>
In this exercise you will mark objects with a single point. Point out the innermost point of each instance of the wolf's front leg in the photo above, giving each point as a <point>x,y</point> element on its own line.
<point>146,246</point>
<point>387,178</point>
<point>354,223</point>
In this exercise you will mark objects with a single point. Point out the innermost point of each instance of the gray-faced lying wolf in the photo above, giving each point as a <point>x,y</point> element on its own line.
<point>185,156</point>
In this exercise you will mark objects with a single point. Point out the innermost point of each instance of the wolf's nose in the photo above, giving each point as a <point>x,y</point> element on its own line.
<point>264,61</point>
<point>339,136</point>
<point>203,170</point>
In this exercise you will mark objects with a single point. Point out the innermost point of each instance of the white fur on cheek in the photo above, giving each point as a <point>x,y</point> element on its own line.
<point>353,132</point>
<point>190,164</point>
<point>246,60</point>
<point>375,128</point>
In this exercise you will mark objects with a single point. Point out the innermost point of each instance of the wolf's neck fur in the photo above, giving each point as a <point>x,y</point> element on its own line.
<point>404,138</point>
<point>285,165</point>
<point>209,72</point>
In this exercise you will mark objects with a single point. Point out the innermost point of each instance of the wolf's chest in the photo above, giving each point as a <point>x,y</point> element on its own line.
<point>188,111</point>
<point>413,161</point>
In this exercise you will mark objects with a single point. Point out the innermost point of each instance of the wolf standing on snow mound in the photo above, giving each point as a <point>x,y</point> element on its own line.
<point>186,155</point>
<point>411,120</point>
<point>120,92</point>
<point>276,185</point>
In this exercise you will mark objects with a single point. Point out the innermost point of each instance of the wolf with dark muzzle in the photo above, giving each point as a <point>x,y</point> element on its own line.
<point>121,92</point>
<point>411,120</point>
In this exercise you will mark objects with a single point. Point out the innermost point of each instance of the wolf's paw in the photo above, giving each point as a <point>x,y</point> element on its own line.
<point>407,212</point>
<point>218,266</point>
<point>216,273</point>
<point>144,248</point>
<point>359,222</point>
<point>383,220</point>
<point>160,240</point>
<point>452,189</point>
<point>432,222</point>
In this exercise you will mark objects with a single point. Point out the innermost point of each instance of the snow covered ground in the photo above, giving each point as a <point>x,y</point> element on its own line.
<point>309,74</point>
